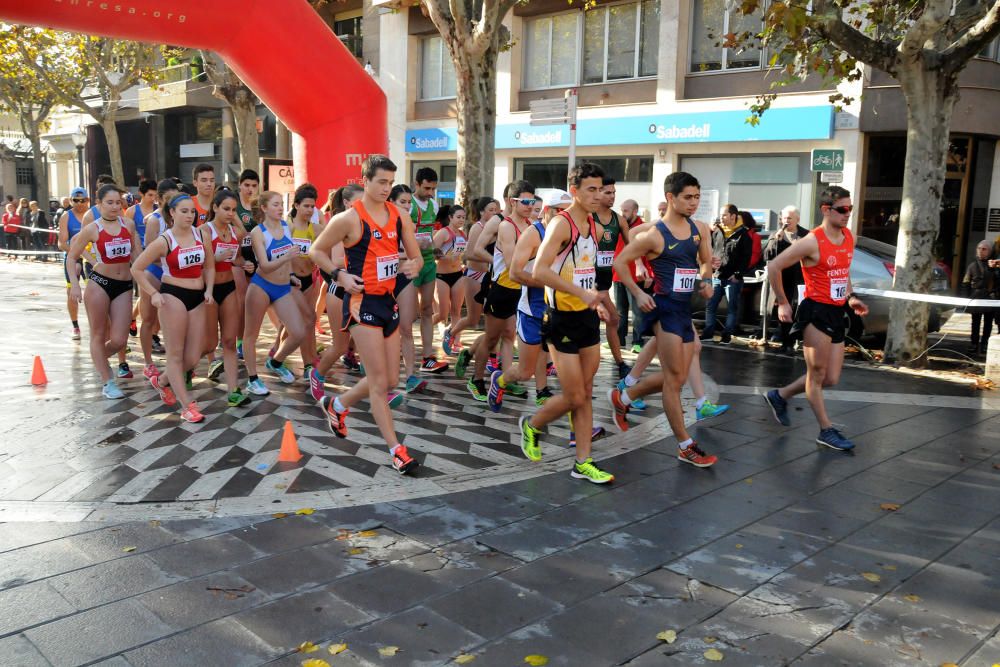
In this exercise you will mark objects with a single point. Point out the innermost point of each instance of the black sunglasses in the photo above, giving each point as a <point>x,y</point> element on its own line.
<point>843,210</point>
<point>79,201</point>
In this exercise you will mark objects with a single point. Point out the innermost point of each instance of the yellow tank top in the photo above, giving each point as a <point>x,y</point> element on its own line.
<point>576,264</point>
<point>501,272</point>
<point>303,238</point>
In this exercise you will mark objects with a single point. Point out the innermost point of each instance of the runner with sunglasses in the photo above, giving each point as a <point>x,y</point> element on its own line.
<point>821,319</point>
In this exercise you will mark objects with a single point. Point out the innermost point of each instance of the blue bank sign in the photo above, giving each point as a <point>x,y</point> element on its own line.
<point>797,123</point>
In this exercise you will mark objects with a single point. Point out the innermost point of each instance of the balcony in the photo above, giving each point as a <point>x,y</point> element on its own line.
<point>178,92</point>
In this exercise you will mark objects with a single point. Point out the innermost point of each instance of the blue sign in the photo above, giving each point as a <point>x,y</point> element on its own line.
<point>791,124</point>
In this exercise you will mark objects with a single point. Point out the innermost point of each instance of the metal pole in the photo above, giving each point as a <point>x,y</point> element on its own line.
<point>571,96</point>
<point>79,165</point>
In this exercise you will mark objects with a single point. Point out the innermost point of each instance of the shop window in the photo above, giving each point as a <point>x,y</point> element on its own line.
<point>551,172</point>
<point>609,43</point>
<point>24,175</point>
<point>713,19</point>
<point>348,31</point>
<point>437,71</point>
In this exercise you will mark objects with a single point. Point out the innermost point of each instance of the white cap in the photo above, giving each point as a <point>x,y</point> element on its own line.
<point>555,198</point>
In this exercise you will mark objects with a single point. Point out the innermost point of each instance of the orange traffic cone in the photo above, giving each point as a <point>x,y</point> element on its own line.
<point>38,373</point>
<point>289,446</point>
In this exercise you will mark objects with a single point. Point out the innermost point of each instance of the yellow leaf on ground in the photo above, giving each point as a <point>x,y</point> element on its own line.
<point>536,660</point>
<point>749,480</point>
<point>279,515</point>
<point>713,654</point>
<point>305,510</point>
<point>307,647</point>
<point>739,546</point>
<point>710,639</point>
<point>388,651</point>
<point>890,507</point>
<point>128,550</point>
<point>668,636</point>
<point>154,523</point>
<point>951,664</point>
<point>891,568</point>
<point>334,649</point>
<point>356,551</point>
<point>315,662</point>
<point>367,533</point>
<point>464,659</point>
<point>912,598</point>
<point>872,577</point>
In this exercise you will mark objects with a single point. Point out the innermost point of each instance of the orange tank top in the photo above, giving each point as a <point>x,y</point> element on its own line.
<point>826,282</point>
<point>375,257</point>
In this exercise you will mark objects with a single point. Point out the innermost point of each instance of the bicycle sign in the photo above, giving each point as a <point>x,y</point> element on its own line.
<point>827,159</point>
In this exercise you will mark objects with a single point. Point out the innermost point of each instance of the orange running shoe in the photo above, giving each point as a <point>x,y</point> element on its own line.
<point>621,410</point>
<point>696,457</point>
<point>402,461</point>
<point>166,393</point>
<point>337,421</point>
<point>192,414</point>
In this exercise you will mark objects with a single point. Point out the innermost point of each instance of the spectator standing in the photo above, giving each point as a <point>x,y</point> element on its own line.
<point>643,276</point>
<point>37,221</point>
<point>10,222</point>
<point>980,282</point>
<point>732,247</point>
<point>791,278</point>
<point>24,234</point>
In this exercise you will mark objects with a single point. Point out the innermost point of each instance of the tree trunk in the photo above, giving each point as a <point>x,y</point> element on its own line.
<point>930,100</point>
<point>114,147</point>
<point>244,106</point>
<point>476,93</point>
<point>38,165</point>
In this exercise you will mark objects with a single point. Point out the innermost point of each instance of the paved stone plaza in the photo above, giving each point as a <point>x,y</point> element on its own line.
<point>130,539</point>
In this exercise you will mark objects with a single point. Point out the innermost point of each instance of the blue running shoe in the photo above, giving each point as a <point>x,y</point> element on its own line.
<point>495,395</point>
<point>834,439</point>
<point>779,407</point>
<point>708,410</point>
<point>637,404</point>
<point>281,371</point>
<point>446,342</point>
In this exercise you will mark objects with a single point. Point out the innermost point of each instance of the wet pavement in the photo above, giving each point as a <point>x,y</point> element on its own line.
<point>780,554</point>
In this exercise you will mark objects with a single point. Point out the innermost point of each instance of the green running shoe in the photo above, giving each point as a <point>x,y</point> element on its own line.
<point>590,472</point>
<point>515,389</point>
<point>529,440</point>
<point>542,396</point>
<point>709,409</point>
<point>636,349</point>
<point>237,399</point>
<point>478,389</point>
<point>461,363</point>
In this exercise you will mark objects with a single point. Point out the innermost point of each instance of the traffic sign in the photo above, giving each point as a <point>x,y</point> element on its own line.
<point>831,177</point>
<point>827,159</point>
<point>559,111</point>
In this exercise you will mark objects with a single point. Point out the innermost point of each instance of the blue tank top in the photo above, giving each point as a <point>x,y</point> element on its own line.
<point>95,212</point>
<point>532,300</point>
<point>675,270</point>
<point>277,248</point>
<point>73,225</point>
<point>140,225</point>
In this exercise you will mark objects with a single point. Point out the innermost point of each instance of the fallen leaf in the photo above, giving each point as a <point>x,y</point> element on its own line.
<point>951,664</point>
<point>890,507</point>
<point>912,598</point>
<point>710,639</point>
<point>996,466</point>
<point>279,515</point>
<point>305,510</point>
<point>366,533</point>
<point>356,551</point>
<point>315,662</point>
<point>464,659</point>
<point>154,523</point>
<point>307,647</point>
<point>891,568</point>
<point>335,649</point>
<point>281,486</point>
<point>739,546</point>
<point>872,577</point>
<point>668,636</point>
<point>713,655</point>
<point>749,480</point>
<point>536,660</point>
<point>388,651</point>
<point>128,550</point>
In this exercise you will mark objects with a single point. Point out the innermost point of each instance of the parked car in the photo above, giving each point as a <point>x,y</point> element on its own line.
<point>874,266</point>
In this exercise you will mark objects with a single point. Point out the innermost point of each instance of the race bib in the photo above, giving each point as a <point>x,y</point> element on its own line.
<point>246,241</point>
<point>802,292</point>
<point>605,258</point>
<point>424,237</point>
<point>685,279</point>
<point>460,245</point>
<point>188,257</point>
<point>117,248</point>
<point>585,277</point>
<point>387,266</point>
<point>225,252</point>
<point>278,253</point>
<point>303,244</point>
<point>838,289</point>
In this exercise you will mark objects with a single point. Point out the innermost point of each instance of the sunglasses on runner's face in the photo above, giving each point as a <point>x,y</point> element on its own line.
<point>526,202</point>
<point>79,201</point>
<point>843,210</point>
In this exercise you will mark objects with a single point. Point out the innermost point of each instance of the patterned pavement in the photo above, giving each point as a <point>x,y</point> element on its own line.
<point>71,452</point>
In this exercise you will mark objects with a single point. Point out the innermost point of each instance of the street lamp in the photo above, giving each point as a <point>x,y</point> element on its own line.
<point>80,140</point>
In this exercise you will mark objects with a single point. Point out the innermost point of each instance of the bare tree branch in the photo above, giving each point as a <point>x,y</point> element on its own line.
<point>975,38</point>
<point>828,21</point>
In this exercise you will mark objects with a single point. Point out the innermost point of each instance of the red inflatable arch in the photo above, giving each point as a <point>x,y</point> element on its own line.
<point>282,50</point>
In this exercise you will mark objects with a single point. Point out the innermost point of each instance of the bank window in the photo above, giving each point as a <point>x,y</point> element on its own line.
<point>551,172</point>
<point>713,19</point>
<point>550,55</point>
<point>621,41</point>
<point>348,31</point>
<point>437,71</point>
